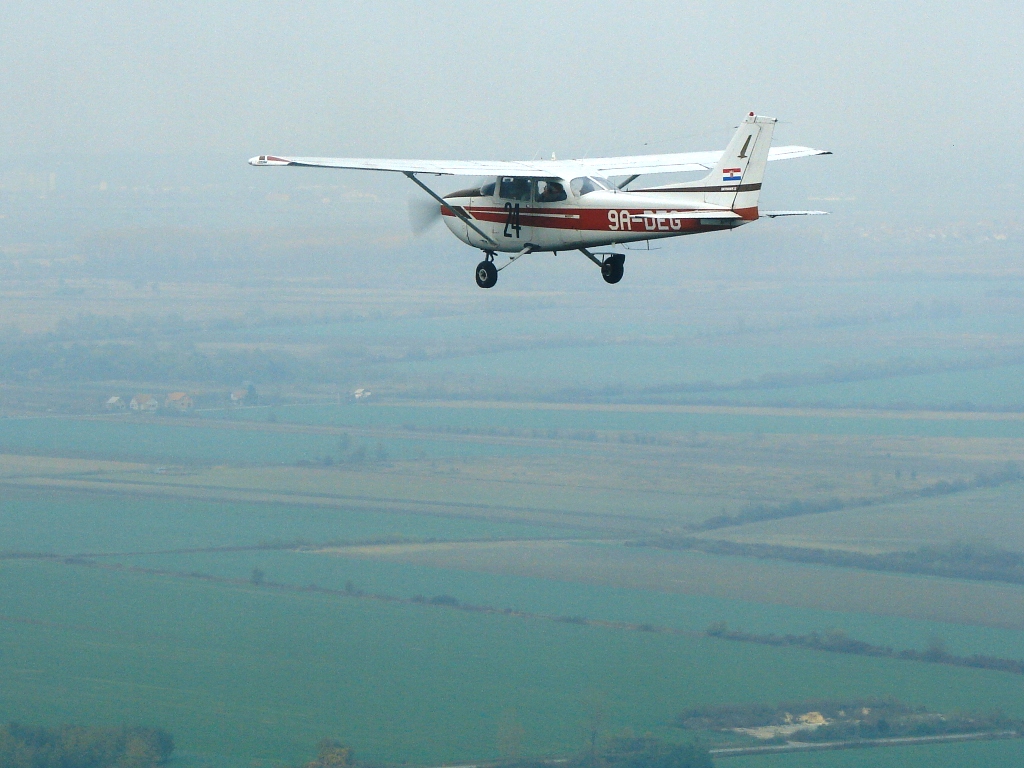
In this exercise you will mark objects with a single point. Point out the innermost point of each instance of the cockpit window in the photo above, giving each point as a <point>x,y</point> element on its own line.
<point>584,185</point>
<point>550,191</point>
<point>516,188</point>
<point>487,190</point>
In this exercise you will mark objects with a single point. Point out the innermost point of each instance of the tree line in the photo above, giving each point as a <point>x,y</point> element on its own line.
<point>70,746</point>
<point>31,360</point>
<point>958,560</point>
<point>836,641</point>
<point>756,513</point>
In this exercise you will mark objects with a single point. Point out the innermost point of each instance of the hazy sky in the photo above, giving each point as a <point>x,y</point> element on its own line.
<point>915,95</point>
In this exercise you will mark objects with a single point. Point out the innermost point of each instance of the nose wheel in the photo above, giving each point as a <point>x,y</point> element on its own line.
<point>486,272</point>
<point>612,267</point>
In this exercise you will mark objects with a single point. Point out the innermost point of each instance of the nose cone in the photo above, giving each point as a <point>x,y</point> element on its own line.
<point>257,160</point>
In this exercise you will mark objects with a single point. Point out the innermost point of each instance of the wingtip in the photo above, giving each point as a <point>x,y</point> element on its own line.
<point>268,160</point>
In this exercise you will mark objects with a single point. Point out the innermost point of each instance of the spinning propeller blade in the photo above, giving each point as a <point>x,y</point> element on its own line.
<point>423,214</point>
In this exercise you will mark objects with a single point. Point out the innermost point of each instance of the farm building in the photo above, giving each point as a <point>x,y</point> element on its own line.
<point>115,403</point>
<point>144,403</point>
<point>813,718</point>
<point>239,396</point>
<point>179,401</point>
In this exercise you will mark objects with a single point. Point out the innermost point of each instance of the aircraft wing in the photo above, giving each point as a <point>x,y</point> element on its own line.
<point>434,167</point>
<point>601,166</point>
<point>641,165</point>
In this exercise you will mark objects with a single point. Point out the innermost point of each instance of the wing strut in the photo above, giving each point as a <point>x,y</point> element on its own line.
<point>455,210</point>
<point>527,250</point>
<point>592,257</point>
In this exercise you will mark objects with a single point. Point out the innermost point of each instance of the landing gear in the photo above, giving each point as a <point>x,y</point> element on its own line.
<point>486,272</point>
<point>612,267</point>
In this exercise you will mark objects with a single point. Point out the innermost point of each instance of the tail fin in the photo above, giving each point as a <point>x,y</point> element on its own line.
<point>735,181</point>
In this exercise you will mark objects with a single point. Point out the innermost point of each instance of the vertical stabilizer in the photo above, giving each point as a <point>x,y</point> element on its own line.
<point>735,181</point>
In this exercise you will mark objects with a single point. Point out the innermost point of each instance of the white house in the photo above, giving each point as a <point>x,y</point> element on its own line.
<point>144,403</point>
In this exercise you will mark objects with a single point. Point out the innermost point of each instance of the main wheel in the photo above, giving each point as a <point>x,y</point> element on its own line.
<point>486,274</point>
<point>613,267</point>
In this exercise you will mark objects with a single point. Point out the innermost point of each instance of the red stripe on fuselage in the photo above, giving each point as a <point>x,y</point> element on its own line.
<point>598,219</point>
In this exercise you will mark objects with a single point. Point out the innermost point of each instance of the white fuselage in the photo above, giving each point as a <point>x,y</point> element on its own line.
<point>588,213</point>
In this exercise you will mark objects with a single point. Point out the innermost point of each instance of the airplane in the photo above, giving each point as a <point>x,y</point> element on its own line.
<point>547,206</point>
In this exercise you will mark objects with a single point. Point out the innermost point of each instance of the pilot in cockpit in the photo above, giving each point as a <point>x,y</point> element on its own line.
<point>550,192</point>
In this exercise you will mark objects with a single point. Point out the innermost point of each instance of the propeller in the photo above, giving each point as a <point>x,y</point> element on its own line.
<point>424,213</point>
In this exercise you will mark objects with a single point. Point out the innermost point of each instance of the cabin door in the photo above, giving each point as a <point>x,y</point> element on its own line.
<point>515,195</point>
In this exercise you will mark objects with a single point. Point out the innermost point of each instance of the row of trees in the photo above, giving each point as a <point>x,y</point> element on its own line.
<point>550,433</point>
<point>30,360</point>
<point>130,747</point>
<point>77,747</point>
<point>142,327</point>
<point>837,641</point>
<point>1009,473</point>
<point>959,560</point>
<point>361,454</point>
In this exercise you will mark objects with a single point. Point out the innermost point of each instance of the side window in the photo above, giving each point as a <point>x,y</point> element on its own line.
<point>516,188</point>
<point>550,191</point>
<point>582,186</point>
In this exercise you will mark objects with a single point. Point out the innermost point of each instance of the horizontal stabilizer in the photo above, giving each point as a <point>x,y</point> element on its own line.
<point>791,153</point>
<point>774,214</point>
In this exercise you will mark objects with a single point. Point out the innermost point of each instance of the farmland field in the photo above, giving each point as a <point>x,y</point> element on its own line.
<point>255,579</point>
<point>67,523</point>
<point>242,673</point>
<point>794,584</point>
<point>993,516</point>
<point>594,594</point>
<point>628,470</point>
<point>124,438</point>
<point>651,418</point>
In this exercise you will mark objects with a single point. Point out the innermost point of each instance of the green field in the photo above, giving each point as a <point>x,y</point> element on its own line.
<point>65,522</point>
<point>691,611</point>
<point>141,439</point>
<point>655,419</point>
<point>650,472</point>
<point>531,508</point>
<point>240,673</point>
<point>992,515</point>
